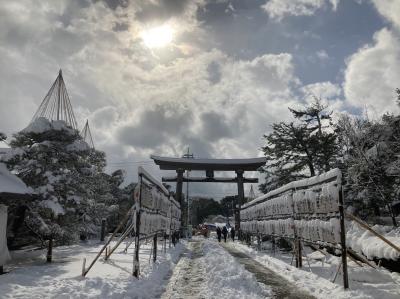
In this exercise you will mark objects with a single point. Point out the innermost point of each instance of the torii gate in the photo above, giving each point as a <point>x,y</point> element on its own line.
<point>239,166</point>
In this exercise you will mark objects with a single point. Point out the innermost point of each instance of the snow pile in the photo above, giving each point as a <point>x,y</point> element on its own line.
<point>316,277</point>
<point>31,277</point>
<point>362,240</point>
<point>42,125</point>
<point>10,183</point>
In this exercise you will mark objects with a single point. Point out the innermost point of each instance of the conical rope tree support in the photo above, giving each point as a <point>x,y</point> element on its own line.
<point>56,105</point>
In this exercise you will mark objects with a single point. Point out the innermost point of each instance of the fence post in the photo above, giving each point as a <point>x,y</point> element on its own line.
<point>137,232</point>
<point>103,230</point>
<point>155,248</point>
<point>50,250</point>
<point>343,240</point>
<point>299,253</point>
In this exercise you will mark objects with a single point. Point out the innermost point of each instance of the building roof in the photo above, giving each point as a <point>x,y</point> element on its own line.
<point>11,184</point>
<point>167,163</point>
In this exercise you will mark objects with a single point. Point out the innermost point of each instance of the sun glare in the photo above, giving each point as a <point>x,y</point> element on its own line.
<point>157,37</point>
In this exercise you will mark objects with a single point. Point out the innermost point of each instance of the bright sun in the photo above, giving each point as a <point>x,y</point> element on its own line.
<point>157,37</point>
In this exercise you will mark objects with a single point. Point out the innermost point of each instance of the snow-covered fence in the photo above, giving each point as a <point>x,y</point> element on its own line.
<point>308,211</point>
<point>154,213</point>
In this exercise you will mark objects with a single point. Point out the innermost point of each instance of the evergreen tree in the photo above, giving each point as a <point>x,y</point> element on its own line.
<point>66,174</point>
<point>300,149</point>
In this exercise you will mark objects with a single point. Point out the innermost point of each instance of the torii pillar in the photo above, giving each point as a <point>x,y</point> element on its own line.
<point>240,181</point>
<point>179,185</point>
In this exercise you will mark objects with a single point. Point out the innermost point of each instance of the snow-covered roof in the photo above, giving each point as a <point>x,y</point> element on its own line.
<point>10,183</point>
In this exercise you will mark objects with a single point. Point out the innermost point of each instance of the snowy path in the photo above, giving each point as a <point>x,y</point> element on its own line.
<point>281,287</point>
<point>206,270</point>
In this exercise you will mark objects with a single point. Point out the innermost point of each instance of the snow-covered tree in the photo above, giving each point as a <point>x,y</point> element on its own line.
<point>371,155</point>
<point>3,136</point>
<point>67,175</point>
<point>301,148</point>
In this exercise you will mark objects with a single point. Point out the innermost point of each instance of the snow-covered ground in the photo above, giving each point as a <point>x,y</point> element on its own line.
<point>365,282</point>
<point>31,277</point>
<point>201,268</point>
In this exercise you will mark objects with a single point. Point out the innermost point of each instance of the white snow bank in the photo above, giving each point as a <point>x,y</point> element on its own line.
<point>362,240</point>
<point>10,183</point>
<point>33,278</point>
<point>365,282</point>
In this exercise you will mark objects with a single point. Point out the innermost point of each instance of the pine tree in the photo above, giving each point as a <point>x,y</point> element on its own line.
<point>64,171</point>
<point>300,149</point>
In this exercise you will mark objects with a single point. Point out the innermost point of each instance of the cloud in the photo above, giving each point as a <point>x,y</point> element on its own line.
<point>278,9</point>
<point>322,55</point>
<point>389,9</point>
<point>139,102</point>
<point>373,73</point>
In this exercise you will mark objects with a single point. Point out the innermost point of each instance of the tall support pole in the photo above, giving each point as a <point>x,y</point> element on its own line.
<point>343,240</point>
<point>137,231</point>
<point>240,181</point>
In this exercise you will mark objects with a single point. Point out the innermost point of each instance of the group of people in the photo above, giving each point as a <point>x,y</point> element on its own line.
<point>224,232</point>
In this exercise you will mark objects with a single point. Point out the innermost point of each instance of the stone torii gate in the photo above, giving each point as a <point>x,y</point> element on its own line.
<point>239,166</point>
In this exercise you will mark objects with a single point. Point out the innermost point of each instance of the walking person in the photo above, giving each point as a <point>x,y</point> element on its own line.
<point>233,234</point>
<point>225,233</point>
<point>219,233</point>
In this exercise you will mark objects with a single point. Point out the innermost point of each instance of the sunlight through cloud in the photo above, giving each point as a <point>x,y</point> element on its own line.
<point>158,37</point>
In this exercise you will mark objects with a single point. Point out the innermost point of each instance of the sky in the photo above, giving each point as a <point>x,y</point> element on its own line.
<point>157,77</point>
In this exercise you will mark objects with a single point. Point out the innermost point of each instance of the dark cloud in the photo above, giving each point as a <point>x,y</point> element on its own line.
<point>161,10</point>
<point>215,126</point>
<point>214,72</point>
<point>114,4</point>
<point>155,127</point>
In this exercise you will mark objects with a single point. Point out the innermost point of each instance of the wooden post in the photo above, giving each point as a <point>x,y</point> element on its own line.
<point>83,266</point>
<point>155,248</point>
<point>343,240</point>
<point>103,230</point>
<point>136,265</point>
<point>300,254</point>
<point>50,251</point>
